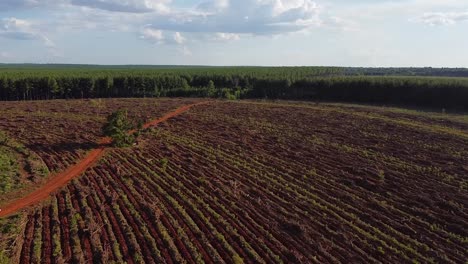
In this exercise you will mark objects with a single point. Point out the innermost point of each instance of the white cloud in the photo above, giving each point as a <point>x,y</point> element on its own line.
<point>19,29</point>
<point>226,36</point>
<point>178,38</point>
<point>79,19</point>
<point>160,37</point>
<point>157,36</point>
<point>212,20</point>
<point>442,18</point>
<point>213,6</point>
<point>130,6</point>
<point>152,35</point>
<point>305,7</point>
<point>257,17</point>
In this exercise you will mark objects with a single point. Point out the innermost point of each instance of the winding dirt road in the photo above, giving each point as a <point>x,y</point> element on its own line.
<point>61,179</point>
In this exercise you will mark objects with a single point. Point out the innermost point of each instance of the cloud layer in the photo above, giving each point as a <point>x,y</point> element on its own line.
<point>15,4</point>
<point>127,6</point>
<point>19,29</point>
<point>259,17</point>
<point>220,20</point>
<point>157,36</point>
<point>130,6</point>
<point>443,18</point>
<point>184,26</point>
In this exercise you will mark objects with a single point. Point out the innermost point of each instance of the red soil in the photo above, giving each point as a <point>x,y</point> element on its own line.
<point>61,179</point>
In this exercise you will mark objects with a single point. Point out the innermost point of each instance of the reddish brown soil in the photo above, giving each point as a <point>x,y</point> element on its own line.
<point>46,236</point>
<point>61,179</point>
<point>62,132</point>
<point>273,183</point>
<point>27,243</point>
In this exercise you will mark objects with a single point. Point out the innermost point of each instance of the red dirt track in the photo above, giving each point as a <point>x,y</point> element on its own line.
<point>61,179</point>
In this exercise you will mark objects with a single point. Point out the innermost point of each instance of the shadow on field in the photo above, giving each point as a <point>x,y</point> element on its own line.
<point>64,146</point>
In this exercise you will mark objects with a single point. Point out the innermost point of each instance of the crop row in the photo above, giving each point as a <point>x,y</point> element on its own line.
<point>51,136</point>
<point>264,183</point>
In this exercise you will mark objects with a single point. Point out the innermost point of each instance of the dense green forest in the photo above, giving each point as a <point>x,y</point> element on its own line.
<point>435,72</point>
<point>419,87</point>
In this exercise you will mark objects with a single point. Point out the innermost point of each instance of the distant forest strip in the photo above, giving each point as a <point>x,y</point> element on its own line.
<point>392,86</point>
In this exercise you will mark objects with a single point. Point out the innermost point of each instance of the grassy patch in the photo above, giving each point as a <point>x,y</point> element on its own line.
<point>9,169</point>
<point>15,160</point>
<point>10,230</point>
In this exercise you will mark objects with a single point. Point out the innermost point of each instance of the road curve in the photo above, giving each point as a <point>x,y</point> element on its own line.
<point>61,179</point>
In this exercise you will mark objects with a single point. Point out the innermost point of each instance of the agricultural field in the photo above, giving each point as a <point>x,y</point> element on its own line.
<point>238,182</point>
<point>49,137</point>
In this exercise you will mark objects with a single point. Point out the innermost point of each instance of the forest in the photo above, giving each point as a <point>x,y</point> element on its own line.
<point>414,87</point>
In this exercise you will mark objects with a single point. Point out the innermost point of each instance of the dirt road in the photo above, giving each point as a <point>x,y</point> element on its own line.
<point>61,179</point>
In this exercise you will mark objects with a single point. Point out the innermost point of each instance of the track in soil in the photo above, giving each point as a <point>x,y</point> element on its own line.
<point>61,179</point>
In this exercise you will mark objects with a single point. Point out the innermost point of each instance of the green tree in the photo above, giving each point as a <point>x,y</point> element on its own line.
<point>54,88</point>
<point>211,89</point>
<point>117,128</point>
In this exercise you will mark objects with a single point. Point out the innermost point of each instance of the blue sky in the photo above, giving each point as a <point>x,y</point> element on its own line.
<point>236,32</point>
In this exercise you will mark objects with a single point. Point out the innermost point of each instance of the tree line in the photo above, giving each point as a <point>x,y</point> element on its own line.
<point>293,83</point>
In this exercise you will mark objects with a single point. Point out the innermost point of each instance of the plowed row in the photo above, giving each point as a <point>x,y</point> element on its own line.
<point>61,132</point>
<point>267,183</point>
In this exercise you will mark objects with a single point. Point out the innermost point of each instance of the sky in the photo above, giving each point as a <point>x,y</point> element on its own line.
<point>360,33</point>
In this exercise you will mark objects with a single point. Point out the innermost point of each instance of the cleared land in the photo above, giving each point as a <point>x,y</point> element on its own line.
<point>53,136</point>
<point>61,179</point>
<point>257,182</point>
